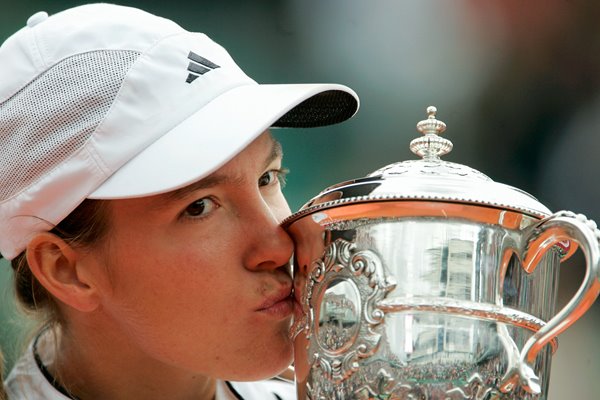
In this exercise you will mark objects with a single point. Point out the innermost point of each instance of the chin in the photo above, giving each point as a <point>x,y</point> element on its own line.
<point>274,369</point>
<point>267,365</point>
<point>262,355</point>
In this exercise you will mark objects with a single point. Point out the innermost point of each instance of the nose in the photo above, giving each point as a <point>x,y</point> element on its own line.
<point>269,246</point>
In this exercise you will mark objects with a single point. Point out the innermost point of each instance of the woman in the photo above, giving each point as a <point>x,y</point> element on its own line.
<point>140,201</point>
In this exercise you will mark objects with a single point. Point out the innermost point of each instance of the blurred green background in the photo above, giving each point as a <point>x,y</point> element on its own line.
<point>517,83</point>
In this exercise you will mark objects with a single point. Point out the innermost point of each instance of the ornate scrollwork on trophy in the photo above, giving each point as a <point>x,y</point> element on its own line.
<point>341,310</point>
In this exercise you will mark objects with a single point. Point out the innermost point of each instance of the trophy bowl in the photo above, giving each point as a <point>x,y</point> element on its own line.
<point>427,280</point>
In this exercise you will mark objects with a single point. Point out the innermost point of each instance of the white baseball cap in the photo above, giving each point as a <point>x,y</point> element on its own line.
<point>106,102</point>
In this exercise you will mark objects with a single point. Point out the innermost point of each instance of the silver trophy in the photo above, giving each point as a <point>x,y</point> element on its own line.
<point>427,280</point>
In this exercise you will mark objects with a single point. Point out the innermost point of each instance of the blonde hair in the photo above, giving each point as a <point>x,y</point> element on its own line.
<point>84,227</point>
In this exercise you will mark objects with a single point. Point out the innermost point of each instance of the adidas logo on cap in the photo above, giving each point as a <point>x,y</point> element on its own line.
<point>198,66</point>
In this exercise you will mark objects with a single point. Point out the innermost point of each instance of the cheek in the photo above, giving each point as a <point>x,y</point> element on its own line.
<point>185,298</point>
<point>169,309</point>
<point>178,279</point>
<point>279,206</point>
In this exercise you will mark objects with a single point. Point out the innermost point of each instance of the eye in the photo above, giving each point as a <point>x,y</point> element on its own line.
<point>273,176</point>
<point>200,208</point>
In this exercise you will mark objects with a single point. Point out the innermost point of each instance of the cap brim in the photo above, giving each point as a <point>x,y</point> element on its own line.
<point>213,135</point>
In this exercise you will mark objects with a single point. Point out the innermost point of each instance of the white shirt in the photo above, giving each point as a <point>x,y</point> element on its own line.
<point>26,381</point>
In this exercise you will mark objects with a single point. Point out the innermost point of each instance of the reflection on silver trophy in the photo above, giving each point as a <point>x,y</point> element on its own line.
<point>427,280</point>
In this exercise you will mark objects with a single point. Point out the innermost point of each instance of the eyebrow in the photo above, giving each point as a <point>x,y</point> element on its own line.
<point>217,178</point>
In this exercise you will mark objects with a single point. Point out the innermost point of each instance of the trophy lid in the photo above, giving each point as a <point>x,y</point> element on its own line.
<point>427,179</point>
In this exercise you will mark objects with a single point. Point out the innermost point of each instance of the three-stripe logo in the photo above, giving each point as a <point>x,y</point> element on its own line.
<point>198,66</point>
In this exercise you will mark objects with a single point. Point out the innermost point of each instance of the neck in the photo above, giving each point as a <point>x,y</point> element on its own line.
<point>97,364</point>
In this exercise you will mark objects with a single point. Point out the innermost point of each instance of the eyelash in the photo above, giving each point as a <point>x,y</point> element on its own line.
<point>189,215</point>
<point>280,175</point>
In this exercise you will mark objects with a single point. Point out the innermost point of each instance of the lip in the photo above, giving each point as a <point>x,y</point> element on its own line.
<point>279,305</point>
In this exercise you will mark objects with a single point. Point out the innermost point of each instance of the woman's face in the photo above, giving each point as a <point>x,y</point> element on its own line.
<point>199,278</point>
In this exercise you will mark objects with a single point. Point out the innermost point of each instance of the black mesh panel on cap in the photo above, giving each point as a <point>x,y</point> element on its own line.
<point>326,108</point>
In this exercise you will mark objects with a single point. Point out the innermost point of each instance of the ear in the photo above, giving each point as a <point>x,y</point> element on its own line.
<point>61,270</point>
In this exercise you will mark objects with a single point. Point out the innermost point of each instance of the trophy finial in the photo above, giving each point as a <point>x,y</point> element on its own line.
<point>431,146</point>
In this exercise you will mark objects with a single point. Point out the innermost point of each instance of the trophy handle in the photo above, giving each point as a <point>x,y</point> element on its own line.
<point>551,231</point>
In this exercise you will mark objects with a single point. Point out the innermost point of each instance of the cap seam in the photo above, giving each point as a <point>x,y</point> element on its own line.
<point>83,148</point>
<point>45,70</point>
<point>90,147</point>
<point>109,171</point>
<point>143,55</point>
<point>42,66</point>
<point>138,59</point>
<point>38,58</point>
<point>37,42</point>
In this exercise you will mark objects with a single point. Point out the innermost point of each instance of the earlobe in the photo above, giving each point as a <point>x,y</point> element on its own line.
<point>60,270</point>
